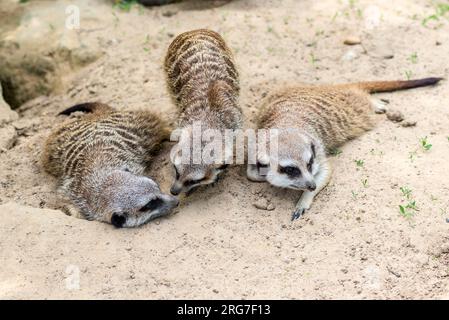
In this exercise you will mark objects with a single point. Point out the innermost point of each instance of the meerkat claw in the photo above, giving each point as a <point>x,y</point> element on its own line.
<point>297,214</point>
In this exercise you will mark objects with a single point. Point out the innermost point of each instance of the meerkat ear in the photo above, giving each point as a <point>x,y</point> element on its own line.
<point>219,94</point>
<point>88,107</point>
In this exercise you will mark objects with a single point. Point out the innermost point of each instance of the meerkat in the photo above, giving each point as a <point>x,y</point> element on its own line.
<point>310,122</point>
<point>100,159</point>
<point>203,81</point>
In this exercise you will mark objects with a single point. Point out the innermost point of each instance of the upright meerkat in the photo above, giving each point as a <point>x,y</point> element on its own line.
<point>100,159</point>
<point>203,81</point>
<point>311,121</point>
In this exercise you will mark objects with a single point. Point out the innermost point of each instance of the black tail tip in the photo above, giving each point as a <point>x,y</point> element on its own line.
<point>431,80</point>
<point>82,107</point>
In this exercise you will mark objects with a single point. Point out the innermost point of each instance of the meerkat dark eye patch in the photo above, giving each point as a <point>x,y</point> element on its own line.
<point>310,164</point>
<point>261,165</point>
<point>152,205</point>
<point>177,174</point>
<point>223,166</point>
<point>312,146</point>
<point>291,171</point>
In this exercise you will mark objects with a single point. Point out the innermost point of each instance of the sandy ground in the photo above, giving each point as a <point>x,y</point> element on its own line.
<point>353,243</point>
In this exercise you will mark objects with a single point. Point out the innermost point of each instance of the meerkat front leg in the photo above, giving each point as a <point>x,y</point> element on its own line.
<point>321,179</point>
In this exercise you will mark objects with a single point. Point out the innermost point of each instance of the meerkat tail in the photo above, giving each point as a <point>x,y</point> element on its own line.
<point>88,107</point>
<point>388,86</point>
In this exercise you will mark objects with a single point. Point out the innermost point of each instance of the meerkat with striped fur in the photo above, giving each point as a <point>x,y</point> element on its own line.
<point>310,122</point>
<point>203,81</point>
<point>100,159</point>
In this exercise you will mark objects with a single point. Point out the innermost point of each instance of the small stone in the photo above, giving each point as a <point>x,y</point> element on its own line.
<point>271,207</point>
<point>169,13</point>
<point>352,40</point>
<point>349,55</point>
<point>261,204</point>
<point>408,123</point>
<point>215,291</point>
<point>395,115</point>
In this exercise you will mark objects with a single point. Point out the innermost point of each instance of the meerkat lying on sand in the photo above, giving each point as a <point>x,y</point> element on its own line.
<point>311,121</point>
<point>100,159</point>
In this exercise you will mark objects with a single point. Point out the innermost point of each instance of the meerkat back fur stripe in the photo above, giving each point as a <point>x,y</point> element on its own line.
<point>203,81</point>
<point>100,159</point>
<point>311,121</point>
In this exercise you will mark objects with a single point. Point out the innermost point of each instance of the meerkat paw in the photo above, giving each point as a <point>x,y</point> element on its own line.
<point>380,106</point>
<point>71,210</point>
<point>298,213</point>
<point>253,174</point>
<point>303,204</point>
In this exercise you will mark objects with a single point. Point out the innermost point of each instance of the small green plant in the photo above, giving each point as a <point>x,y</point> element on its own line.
<point>405,213</point>
<point>313,59</point>
<point>440,10</point>
<point>408,74</point>
<point>412,155</point>
<point>413,57</point>
<point>410,208</point>
<point>146,43</point>
<point>359,163</point>
<point>354,195</point>
<point>271,30</point>
<point>425,144</point>
<point>125,5</point>
<point>406,192</point>
<point>334,17</point>
<point>365,183</point>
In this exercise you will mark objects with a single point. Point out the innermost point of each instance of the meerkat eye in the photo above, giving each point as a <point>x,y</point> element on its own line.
<point>312,146</point>
<point>290,171</point>
<point>223,166</point>
<point>260,165</point>
<point>152,205</point>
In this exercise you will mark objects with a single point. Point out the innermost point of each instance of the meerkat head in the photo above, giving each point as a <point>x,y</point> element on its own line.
<point>128,200</point>
<point>294,164</point>
<point>195,169</point>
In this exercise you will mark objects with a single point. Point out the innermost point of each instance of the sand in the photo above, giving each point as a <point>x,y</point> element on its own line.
<point>353,243</point>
